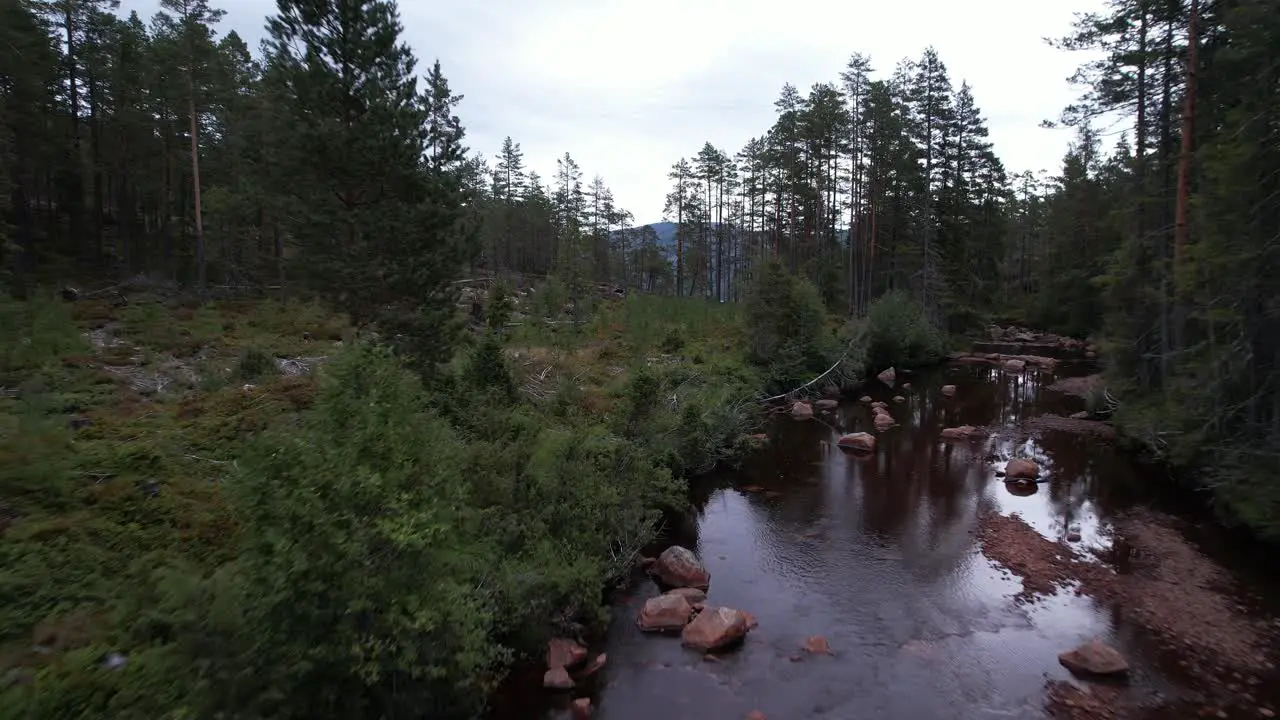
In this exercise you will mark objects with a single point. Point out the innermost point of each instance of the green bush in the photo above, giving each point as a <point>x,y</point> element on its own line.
<point>786,328</point>
<point>254,364</point>
<point>393,563</point>
<point>35,332</point>
<point>897,332</point>
<point>486,369</point>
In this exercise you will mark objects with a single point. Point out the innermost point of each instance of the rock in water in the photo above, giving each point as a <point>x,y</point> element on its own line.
<point>817,645</point>
<point>827,404</point>
<point>884,421</point>
<point>1094,658</point>
<point>557,679</point>
<point>801,411</point>
<point>714,628</point>
<point>949,390</point>
<point>1022,468</point>
<point>692,595</point>
<point>678,567</point>
<point>888,377</point>
<point>665,612</point>
<point>1015,365</point>
<point>563,652</point>
<point>580,709</point>
<point>958,433</point>
<point>862,442</point>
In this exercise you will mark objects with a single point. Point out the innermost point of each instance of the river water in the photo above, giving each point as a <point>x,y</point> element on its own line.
<point>878,556</point>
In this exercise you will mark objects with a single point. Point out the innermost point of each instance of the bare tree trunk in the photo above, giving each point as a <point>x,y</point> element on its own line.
<point>195,180</point>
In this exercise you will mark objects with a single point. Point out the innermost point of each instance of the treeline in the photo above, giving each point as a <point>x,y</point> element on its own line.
<point>1167,244</point>
<point>163,148</point>
<point>863,185</point>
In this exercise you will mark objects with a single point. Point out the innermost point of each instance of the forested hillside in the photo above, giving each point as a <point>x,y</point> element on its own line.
<point>515,368</point>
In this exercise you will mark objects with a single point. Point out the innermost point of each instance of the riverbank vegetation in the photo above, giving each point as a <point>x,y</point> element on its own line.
<point>342,419</point>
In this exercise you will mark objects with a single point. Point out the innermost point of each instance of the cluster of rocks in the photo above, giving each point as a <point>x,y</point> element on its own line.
<point>1009,362</point>
<point>563,656</point>
<point>684,608</point>
<point>1025,336</point>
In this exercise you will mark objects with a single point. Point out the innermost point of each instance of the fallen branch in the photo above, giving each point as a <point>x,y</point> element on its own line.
<point>829,370</point>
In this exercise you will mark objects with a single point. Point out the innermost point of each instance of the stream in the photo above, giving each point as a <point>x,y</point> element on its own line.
<point>878,555</point>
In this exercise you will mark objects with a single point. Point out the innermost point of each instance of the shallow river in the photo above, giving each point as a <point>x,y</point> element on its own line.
<point>878,556</point>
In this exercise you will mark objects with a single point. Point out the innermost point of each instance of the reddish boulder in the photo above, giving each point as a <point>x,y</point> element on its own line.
<point>714,628</point>
<point>580,709</point>
<point>563,652</point>
<point>817,645</point>
<point>801,411</point>
<point>756,715</point>
<point>888,377</point>
<point>959,433</point>
<point>865,399</point>
<point>665,612</point>
<point>1094,658</point>
<point>1022,468</point>
<point>884,421</point>
<point>949,390</point>
<point>691,595</point>
<point>899,399</point>
<point>827,404</point>
<point>679,567</point>
<point>862,442</point>
<point>557,678</point>
<point>1015,365</point>
<point>752,622</point>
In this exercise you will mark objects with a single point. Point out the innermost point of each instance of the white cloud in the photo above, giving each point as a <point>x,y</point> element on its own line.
<point>629,86</point>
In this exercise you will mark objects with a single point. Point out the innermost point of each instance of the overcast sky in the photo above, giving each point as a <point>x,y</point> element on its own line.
<point>627,87</point>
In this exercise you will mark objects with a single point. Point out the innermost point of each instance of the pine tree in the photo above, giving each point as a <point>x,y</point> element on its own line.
<point>374,167</point>
<point>192,20</point>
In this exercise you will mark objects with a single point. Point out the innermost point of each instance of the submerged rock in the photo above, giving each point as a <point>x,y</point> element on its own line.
<point>949,390</point>
<point>678,567</point>
<point>664,612</point>
<point>557,678</point>
<point>860,441</point>
<point>827,404</point>
<point>563,652</point>
<point>817,645</point>
<point>715,628</point>
<point>888,377</point>
<point>959,433</point>
<point>801,411</point>
<point>1094,658</point>
<point>1022,468</point>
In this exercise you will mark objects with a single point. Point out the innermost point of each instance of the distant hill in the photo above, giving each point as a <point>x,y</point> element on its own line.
<point>667,234</point>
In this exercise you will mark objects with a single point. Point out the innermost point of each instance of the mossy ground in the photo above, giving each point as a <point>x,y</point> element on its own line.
<point>117,424</point>
<point>120,422</point>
